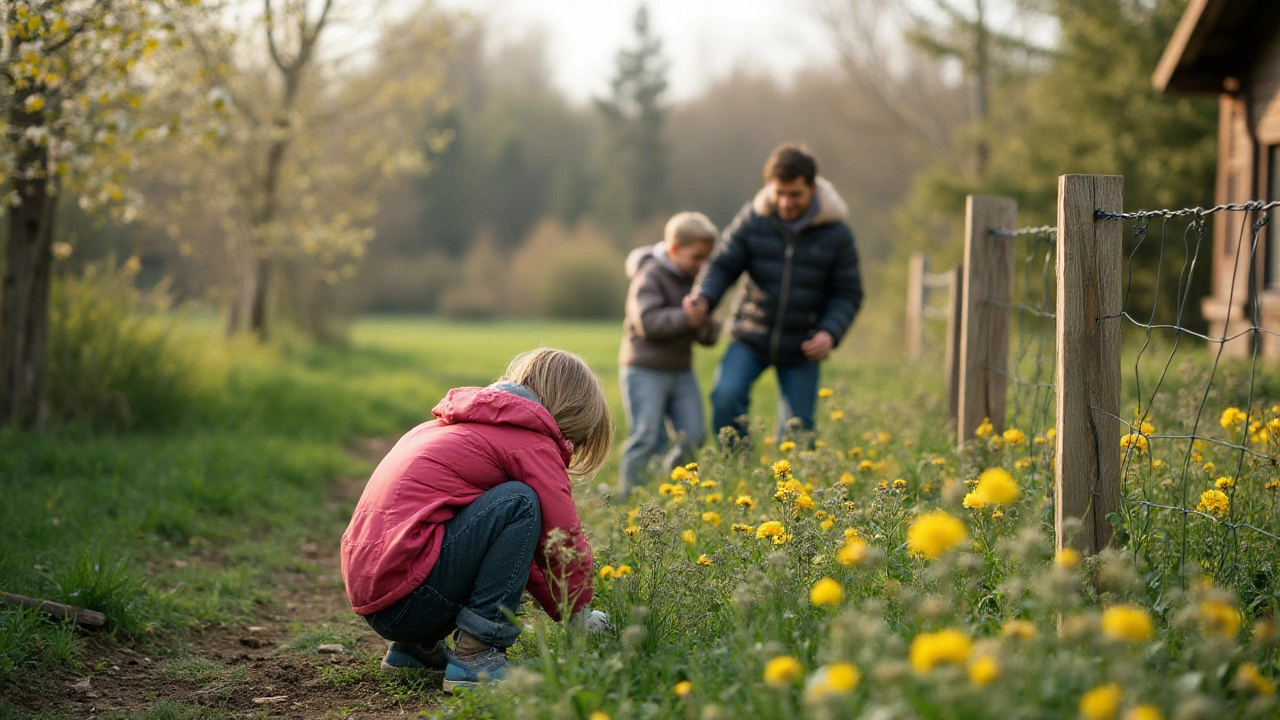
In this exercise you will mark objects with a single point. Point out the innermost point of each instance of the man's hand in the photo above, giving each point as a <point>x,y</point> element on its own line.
<point>819,346</point>
<point>696,308</point>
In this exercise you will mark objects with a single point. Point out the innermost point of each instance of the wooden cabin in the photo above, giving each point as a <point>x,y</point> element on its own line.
<point>1231,48</point>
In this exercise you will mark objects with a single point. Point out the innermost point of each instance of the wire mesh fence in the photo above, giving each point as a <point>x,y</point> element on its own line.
<point>1200,455</point>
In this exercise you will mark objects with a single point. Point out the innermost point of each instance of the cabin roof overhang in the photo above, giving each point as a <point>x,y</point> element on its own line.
<point>1215,42</point>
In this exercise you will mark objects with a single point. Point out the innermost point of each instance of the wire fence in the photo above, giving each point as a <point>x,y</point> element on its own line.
<point>1029,372</point>
<point>1199,463</point>
<point>1097,326</point>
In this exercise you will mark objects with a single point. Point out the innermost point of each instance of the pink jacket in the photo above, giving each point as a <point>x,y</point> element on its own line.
<point>481,438</point>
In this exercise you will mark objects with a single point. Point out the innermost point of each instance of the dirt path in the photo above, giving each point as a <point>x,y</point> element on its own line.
<point>270,667</point>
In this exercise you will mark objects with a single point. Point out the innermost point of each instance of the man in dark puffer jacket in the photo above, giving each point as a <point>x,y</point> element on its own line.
<point>803,288</point>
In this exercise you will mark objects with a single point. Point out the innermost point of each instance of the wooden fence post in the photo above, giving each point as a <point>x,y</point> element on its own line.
<point>1087,467</point>
<point>954,316</point>
<point>984,332</point>
<point>914,325</point>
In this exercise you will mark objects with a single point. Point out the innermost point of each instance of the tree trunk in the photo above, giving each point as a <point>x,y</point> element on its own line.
<point>24,300</point>
<point>261,293</point>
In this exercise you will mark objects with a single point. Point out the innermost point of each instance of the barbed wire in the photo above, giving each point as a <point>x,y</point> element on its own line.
<point>1253,205</point>
<point>1051,230</point>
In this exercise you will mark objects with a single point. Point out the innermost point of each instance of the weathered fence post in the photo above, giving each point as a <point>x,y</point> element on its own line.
<point>984,332</point>
<point>914,325</point>
<point>954,317</point>
<point>1087,467</point>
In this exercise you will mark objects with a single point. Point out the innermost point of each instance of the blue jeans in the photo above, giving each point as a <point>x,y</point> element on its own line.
<point>738,371</point>
<point>650,398</point>
<point>482,569</point>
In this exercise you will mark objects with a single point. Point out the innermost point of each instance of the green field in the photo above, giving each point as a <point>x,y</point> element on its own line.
<point>190,525</point>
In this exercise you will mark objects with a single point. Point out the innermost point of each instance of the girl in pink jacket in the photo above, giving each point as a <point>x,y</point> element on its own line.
<point>471,508</point>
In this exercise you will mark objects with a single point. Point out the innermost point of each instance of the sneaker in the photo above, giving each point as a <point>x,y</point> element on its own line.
<point>412,656</point>
<point>485,666</point>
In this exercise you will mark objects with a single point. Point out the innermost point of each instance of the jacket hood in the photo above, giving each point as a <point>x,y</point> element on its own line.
<point>831,207</point>
<point>640,257</point>
<point>497,406</point>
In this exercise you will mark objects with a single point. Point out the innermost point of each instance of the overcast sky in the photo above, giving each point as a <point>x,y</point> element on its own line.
<point>703,39</point>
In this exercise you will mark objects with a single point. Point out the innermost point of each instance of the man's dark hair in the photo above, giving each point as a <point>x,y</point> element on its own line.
<point>788,162</point>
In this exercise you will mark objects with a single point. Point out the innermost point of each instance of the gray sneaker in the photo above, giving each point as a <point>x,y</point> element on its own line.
<point>412,656</point>
<point>485,666</point>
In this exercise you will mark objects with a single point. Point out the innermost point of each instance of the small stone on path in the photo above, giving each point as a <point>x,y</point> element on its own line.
<point>272,699</point>
<point>331,649</point>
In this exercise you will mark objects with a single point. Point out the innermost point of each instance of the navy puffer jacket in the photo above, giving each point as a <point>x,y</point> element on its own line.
<point>797,283</point>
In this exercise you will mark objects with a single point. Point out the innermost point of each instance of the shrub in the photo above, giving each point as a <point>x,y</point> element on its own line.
<point>113,361</point>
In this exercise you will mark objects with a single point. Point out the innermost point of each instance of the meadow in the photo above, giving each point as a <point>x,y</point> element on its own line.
<point>869,570</point>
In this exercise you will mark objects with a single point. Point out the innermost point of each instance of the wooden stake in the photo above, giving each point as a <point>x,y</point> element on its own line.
<point>984,332</point>
<point>1087,468</point>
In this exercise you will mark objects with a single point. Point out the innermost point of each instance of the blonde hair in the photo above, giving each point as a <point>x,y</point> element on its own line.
<point>687,228</point>
<point>574,395</point>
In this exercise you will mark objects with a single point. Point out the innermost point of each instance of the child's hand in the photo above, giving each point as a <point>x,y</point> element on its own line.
<point>695,308</point>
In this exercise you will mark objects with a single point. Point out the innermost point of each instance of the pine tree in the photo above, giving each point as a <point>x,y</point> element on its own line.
<point>636,157</point>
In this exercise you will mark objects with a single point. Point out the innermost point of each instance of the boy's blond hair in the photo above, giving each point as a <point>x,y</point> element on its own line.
<point>574,395</point>
<point>687,228</point>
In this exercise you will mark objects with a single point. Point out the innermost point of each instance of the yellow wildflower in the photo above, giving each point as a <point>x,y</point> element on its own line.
<point>837,415</point>
<point>1136,442</point>
<point>742,528</point>
<point>745,501</point>
<point>1219,618</point>
<point>929,650</point>
<point>782,671</point>
<point>1127,622</point>
<point>997,514</point>
<point>851,534</point>
<point>782,468</point>
<point>607,572</point>
<point>1209,467</point>
<point>665,488</point>
<point>1021,629</point>
<point>1101,703</point>
<point>631,530</point>
<point>1144,712</point>
<point>834,679</point>
<point>855,453</point>
<point>1272,485</point>
<point>934,533</point>
<point>997,486</point>
<point>1224,482</point>
<point>1022,464</point>
<point>704,560</point>
<point>713,498</point>
<point>711,518</point>
<point>682,688</point>
<point>689,536</point>
<point>866,465</point>
<point>679,474</point>
<point>1014,436</point>
<point>786,446</point>
<point>1214,502</point>
<point>938,461</point>
<point>899,484</point>
<point>1250,679</point>
<point>983,671</point>
<point>1067,558</point>
<point>1051,433</point>
<point>974,501</point>
<point>623,571</point>
<point>984,429</point>
<point>707,484</point>
<point>805,502</point>
<point>1232,418</point>
<point>825,392</point>
<point>597,715</point>
<point>846,478</point>
<point>853,553</point>
<point>770,529</point>
<point>826,592</point>
<point>828,524</point>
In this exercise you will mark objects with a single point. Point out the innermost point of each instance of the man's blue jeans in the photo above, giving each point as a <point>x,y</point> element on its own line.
<point>482,569</point>
<point>650,398</point>
<point>738,371</point>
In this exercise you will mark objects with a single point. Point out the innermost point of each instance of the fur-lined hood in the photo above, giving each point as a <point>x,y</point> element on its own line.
<point>831,207</point>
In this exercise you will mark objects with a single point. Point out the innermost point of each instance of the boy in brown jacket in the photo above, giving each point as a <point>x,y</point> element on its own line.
<point>656,360</point>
